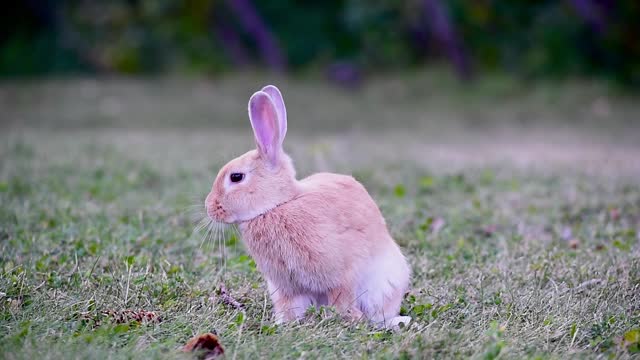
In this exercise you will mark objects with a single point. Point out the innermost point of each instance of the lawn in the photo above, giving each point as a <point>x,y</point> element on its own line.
<point>517,207</point>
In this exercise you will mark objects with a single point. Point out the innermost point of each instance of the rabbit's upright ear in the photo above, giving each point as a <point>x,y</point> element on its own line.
<point>264,120</point>
<point>278,101</point>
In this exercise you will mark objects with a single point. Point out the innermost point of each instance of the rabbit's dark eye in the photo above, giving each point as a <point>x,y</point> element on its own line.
<point>236,177</point>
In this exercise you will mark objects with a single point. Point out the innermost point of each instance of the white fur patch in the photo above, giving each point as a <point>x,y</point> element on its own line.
<point>381,289</point>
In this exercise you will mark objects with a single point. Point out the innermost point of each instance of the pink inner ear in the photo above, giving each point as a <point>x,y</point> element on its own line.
<point>263,116</point>
<point>278,101</point>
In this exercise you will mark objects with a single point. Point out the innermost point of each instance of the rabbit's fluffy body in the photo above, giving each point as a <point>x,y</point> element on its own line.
<point>318,241</point>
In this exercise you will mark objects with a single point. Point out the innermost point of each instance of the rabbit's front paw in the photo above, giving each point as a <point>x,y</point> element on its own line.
<point>290,308</point>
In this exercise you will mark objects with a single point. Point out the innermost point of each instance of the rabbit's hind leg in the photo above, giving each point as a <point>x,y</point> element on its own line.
<point>344,299</point>
<point>382,286</point>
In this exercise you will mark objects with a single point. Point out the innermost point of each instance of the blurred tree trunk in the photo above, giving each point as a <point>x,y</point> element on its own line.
<point>230,39</point>
<point>254,25</point>
<point>591,14</point>
<point>443,30</point>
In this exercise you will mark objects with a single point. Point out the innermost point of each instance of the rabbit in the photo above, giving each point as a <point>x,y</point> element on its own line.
<point>317,241</point>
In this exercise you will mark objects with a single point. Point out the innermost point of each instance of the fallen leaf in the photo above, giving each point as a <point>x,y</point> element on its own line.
<point>573,243</point>
<point>121,317</point>
<point>225,298</point>
<point>126,316</point>
<point>206,345</point>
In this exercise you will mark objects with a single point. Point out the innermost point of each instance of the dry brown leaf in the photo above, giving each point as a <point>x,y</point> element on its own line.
<point>226,298</point>
<point>126,316</point>
<point>574,243</point>
<point>206,345</point>
<point>121,317</point>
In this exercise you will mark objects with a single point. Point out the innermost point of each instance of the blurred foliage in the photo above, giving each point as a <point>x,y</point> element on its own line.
<point>526,37</point>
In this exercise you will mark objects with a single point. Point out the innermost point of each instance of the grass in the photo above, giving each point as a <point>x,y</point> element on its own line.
<point>522,235</point>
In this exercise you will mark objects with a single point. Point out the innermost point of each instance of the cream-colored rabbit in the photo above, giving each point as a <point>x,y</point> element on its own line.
<point>318,241</point>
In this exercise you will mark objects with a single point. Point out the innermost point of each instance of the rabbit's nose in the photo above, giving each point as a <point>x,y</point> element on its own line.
<point>214,208</point>
<point>211,212</point>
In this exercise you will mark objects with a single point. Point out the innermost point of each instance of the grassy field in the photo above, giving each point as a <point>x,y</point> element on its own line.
<point>518,209</point>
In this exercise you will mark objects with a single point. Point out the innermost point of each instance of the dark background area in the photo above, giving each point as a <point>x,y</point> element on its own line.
<point>343,39</point>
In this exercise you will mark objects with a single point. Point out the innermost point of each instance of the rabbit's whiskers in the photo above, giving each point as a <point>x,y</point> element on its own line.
<point>211,232</point>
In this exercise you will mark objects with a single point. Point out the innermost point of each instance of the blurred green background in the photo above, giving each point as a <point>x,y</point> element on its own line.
<point>344,39</point>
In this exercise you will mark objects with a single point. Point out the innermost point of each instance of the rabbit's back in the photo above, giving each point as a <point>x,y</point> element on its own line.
<point>347,205</point>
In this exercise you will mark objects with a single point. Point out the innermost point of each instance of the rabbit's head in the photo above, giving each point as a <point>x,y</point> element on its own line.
<point>261,179</point>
